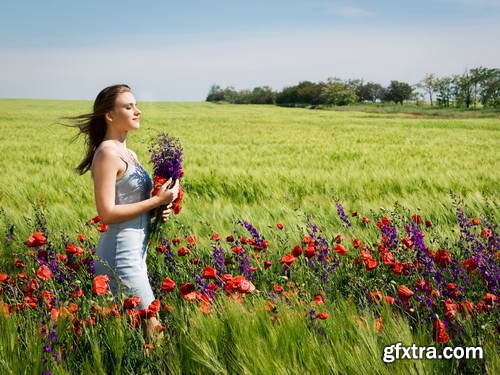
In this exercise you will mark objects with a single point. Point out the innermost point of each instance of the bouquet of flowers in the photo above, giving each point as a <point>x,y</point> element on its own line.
<point>166,157</point>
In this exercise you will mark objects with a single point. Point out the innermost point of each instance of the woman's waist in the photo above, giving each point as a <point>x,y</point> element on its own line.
<point>142,221</point>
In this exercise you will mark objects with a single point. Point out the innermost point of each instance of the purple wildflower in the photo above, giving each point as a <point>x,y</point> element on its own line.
<point>166,157</point>
<point>342,215</point>
<point>257,237</point>
<point>218,259</point>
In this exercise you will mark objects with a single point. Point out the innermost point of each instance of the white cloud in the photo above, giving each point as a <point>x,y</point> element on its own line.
<point>161,70</point>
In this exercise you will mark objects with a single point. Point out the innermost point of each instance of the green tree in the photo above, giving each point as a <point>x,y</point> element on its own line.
<point>398,92</point>
<point>370,92</point>
<point>338,92</point>
<point>215,94</point>
<point>464,89</point>
<point>262,95</point>
<point>428,84</point>
<point>444,91</point>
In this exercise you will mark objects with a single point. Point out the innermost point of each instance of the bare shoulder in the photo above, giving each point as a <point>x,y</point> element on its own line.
<point>106,156</point>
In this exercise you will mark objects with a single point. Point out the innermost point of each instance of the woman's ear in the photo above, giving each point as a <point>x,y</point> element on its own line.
<point>108,116</point>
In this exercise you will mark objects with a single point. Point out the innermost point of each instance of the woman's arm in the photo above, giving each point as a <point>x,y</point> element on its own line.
<point>105,168</point>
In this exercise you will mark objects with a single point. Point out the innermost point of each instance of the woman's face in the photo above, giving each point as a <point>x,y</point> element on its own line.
<point>125,116</point>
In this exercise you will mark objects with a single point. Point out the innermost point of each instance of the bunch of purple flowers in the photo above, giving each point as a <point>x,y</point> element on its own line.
<point>166,157</point>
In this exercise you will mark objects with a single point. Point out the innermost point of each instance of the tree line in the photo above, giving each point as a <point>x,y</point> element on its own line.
<point>477,86</point>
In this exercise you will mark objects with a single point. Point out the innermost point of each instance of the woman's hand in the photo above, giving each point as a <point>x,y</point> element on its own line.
<point>166,213</point>
<point>166,195</point>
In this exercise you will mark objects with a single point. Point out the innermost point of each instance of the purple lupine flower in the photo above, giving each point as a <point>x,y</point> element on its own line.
<point>322,265</point>
<point>260,242</point>
<point>202,285</point>
<point>342,215</point>
<point>218,259</point>
<point>166,157</point>
<point>390,231</point>
<point>169,257</point>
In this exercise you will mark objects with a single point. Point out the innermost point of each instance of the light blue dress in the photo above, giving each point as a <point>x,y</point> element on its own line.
<point>122,249</point>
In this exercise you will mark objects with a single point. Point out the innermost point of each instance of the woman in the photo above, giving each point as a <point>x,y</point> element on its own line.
<point>122,189</point>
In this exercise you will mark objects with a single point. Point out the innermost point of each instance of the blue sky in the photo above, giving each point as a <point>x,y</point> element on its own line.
<point>174,50</point>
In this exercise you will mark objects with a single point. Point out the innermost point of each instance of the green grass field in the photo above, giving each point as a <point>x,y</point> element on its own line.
<point>262,162</point>
<point>267,165</point>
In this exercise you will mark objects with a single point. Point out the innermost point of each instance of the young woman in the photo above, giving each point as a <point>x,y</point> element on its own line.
<point>122,189</point>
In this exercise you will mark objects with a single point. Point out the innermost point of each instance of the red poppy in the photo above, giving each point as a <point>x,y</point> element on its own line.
<point>81,238</point>
<point>43,272</point>
<point>157,184</point>
<point>77,293</point>
<point>416,219</point>
<point>47,297</point>
<point>428,223</point>
<point>3,277</point>
<point>442,258</point>
<point>237,250</point>
<point>404,293</point>
<point>95,219</point>
<point>340,249</point>
<point>365,220</point>
<point>177,204</point>
<point>376,296</point>
<point>182,251</point>
<point>209,273</point>
<point>19,263</point>
<point>62,257</point>
<point>100,284</point>
<point>470,264</point>
<point>153,308</point>
<point>216,237</point>
<point>131,303</point>
<point>31,301</point>
<point>408,243</point>
<point>356,243</point>
<point>103,227</point>
<point>310,252</point>
<point>297,251</point>
<point>161,249</point>
<point>439,332</point>
<point>267,264</point>
<point>186,288</point>
<point>397,268</point>
<point>280,226</point>
<point>205,307</point>
<point>486,233</point>
<point>288,259</point>
<point>72,249</point>
<point>167,285</point>
<point>389,300</point>
<point>371,264</point>
<point>191,240</point>
<point>36,239</point>
<point>322,316</point>
<point>318,299</point>
<point>475,221</point>
<point>450,309</point>
<point>277,288</point>
<point>308,240</point>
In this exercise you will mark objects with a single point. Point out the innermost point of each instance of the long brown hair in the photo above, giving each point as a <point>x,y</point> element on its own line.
<point>93,125</point>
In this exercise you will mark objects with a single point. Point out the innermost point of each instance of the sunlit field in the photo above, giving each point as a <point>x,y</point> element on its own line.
<point>327,177</point>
